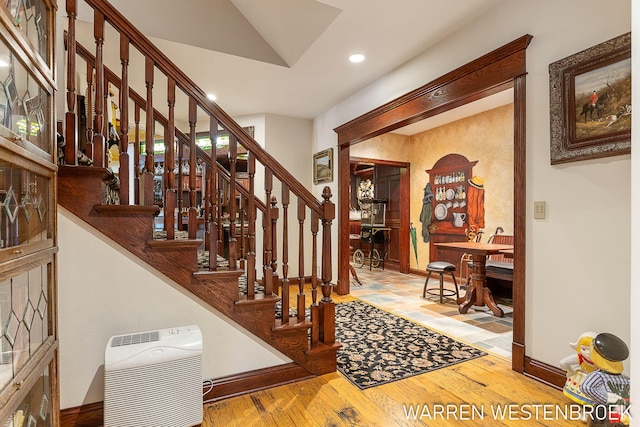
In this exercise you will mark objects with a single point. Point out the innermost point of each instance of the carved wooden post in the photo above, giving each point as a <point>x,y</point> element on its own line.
<point>124,166</point>
<point>193,214</point>
<point>98,142</point>
<point>70,130</point>
<point>327,306</point>
<point>149,163</point>
<point>169,163</point>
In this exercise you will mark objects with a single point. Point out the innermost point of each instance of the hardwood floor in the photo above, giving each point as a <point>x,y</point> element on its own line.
<point>463,395</point>
<point>480,392</point>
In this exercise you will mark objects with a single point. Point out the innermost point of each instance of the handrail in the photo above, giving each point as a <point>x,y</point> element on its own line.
<point>123,26</point>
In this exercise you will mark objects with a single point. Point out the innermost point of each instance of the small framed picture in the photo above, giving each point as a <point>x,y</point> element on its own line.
<point>323,166</point>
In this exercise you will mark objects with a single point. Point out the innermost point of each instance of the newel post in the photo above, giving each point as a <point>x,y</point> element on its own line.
<point>327,306</point>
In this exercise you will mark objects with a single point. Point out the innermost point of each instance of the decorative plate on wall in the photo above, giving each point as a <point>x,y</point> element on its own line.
<point>440,211</point>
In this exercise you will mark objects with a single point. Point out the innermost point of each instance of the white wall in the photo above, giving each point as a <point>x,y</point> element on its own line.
<point>577,260</point>
<point>104,291</point>
<point>289,141</point>
<point>635,208</point>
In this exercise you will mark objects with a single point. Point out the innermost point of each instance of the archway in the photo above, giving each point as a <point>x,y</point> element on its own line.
<point>496,71</point>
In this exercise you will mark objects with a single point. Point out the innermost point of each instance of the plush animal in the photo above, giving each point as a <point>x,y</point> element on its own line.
<point>83,160</point>
<point>60,142</point>
<point>112,188</point>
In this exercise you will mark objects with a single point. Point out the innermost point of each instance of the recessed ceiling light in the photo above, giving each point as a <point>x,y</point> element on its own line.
<point>356,57</point>
<point>211,97</point>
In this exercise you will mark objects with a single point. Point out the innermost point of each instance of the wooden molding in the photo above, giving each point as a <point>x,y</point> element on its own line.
<point>92,414</point>
<point>545,373</point>
<point>247,382</point>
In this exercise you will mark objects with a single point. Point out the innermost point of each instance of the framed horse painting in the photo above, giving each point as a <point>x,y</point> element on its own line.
<point>590,102</point>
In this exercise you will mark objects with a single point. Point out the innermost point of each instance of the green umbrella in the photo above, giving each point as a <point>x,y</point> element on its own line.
<point>414,241</point>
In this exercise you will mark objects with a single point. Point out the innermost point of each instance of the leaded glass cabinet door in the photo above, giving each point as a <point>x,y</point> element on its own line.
<point>28,243</point>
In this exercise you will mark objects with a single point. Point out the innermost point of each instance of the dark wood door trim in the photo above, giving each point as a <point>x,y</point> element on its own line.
<point>498,70</point>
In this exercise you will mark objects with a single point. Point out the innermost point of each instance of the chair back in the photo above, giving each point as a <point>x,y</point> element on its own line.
<point>500,239</point>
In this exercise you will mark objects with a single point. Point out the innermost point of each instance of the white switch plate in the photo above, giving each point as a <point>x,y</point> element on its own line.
<point>539,210</point>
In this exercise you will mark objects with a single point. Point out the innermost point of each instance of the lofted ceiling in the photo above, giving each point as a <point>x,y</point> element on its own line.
<point>289,57</point>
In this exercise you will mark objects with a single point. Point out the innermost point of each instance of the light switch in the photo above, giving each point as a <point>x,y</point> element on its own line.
<point>539,210</point>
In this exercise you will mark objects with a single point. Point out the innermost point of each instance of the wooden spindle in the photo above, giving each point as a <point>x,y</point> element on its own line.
<point>285,254</point>
<point>233,242</point>
<point>275,214</point>
<point>180,185</point>
<point>90,113</point>
<point>268,236</point>
<point>213,195</point>
<point>124,166</point>
<point>150,131</point>
<point>301,296</point>
<point>315,308</point>
<point>169,163</point>
<point>251,226</point>
<point>193,214</point>
<point>136,155</point>
<point>70,130</point>
<point>98,142</point>
<point>242,218</point>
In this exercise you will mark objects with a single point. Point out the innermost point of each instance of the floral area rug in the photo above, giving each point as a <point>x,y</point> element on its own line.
<point>379,347</point>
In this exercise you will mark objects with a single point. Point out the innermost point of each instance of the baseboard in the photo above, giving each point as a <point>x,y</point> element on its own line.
<point>547,374</point>
<point>92,415</point>
<point>247,382</point>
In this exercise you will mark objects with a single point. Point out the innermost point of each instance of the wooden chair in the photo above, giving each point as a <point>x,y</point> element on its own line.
<point>441,267</point>
<point>500,266</point>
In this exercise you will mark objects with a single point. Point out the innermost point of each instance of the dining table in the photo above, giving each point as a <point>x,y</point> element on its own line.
<point>478,293</point>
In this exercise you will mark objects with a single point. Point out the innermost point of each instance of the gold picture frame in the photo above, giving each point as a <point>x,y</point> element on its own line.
<point>323,166</point>
<point>590,102</point>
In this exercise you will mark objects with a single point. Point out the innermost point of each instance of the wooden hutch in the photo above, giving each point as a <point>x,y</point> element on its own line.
<point>449,179</point>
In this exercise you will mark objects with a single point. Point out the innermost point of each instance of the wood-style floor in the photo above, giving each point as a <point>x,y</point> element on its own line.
<point>480,392</point>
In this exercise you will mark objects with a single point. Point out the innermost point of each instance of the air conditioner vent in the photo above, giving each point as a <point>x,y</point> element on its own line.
<point>140,338</point>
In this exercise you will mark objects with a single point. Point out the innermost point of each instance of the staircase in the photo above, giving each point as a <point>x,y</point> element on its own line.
<point>216,258</point>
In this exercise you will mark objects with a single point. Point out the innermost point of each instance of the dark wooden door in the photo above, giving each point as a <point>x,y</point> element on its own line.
<point>387,186</point>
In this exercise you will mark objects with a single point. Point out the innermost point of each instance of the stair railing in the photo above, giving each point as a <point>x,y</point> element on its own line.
<point>215,176</point>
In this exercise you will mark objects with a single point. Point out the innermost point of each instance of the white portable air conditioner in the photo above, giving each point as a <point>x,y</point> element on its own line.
<point>154,378</point>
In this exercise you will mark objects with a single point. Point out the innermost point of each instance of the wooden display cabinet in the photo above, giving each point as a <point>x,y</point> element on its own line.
<point>449,179</point>
<point>29,392</point>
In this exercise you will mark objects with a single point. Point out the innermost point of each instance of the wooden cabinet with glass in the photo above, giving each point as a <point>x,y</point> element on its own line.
<point>29,393</point>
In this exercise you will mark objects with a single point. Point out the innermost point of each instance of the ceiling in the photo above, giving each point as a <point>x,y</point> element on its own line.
<point>289,57</point>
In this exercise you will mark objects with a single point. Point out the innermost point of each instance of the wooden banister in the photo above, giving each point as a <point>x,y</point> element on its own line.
<point>152,53</point>
<point>187,167</point>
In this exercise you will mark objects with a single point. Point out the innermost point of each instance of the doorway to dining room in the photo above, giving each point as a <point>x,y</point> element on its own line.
<point>500,69</point>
